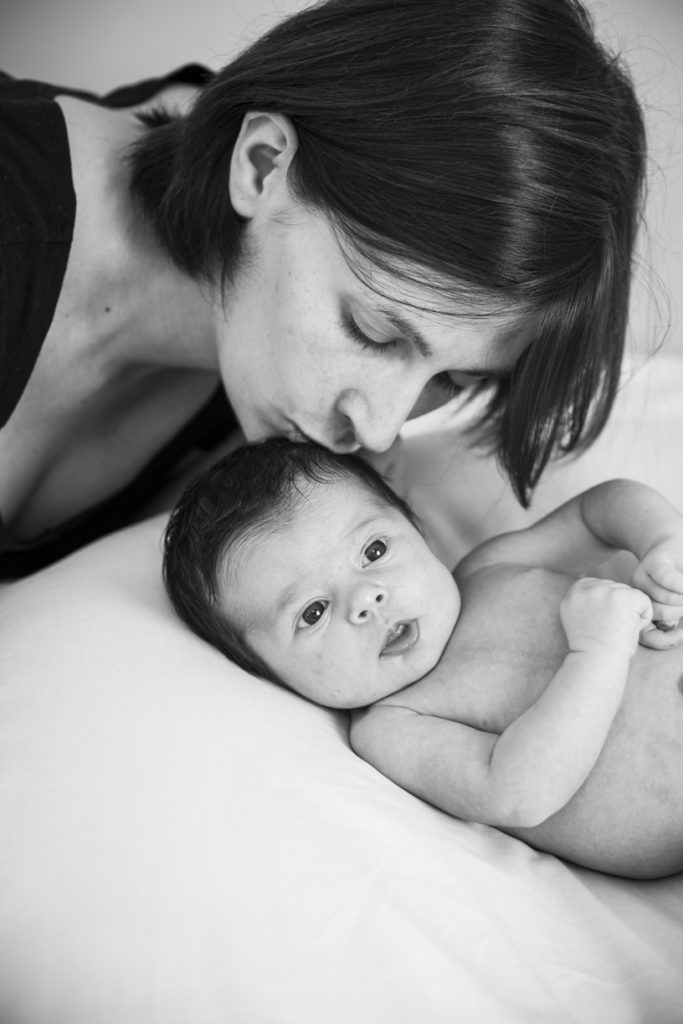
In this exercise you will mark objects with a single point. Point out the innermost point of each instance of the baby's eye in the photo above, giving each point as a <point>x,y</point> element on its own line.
<point>375,550</point>
<point>312,614</point>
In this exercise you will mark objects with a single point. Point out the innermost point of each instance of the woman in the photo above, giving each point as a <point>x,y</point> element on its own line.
<point>374,206</point>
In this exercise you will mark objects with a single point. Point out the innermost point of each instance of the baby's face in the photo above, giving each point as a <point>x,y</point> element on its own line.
<point>346,603</point>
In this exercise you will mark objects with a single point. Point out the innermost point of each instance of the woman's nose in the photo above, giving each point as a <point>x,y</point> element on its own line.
<point>372,424</point>
<point>367,600</point>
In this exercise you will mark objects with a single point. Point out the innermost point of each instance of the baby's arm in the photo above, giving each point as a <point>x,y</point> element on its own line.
<point>639,519</point>
<point>537,764</point>
<point>584,532</point>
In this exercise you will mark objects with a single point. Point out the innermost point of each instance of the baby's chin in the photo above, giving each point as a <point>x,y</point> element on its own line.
<point>428,653</point>
<point>412,667</point>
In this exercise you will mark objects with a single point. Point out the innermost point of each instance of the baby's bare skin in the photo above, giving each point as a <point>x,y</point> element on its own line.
<point>627,818</point>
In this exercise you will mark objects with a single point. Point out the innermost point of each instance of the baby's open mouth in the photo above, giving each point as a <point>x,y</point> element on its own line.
<point>402,636</point>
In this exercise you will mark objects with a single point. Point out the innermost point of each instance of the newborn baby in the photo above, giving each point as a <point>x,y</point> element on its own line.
<point>513,692</point>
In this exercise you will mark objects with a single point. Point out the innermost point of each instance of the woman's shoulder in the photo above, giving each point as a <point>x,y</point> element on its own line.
<point>34,161</point>
<point>15,89</point>
<point>37,212</point>
<point>192,76</point>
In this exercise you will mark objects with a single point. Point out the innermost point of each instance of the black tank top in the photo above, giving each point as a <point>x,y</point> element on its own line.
<point>37,214</point>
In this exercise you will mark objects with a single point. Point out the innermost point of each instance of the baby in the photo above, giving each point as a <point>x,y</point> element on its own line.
<point>513,692</point>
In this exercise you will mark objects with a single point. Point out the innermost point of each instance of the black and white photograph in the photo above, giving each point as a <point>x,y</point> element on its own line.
<point>341,512</point>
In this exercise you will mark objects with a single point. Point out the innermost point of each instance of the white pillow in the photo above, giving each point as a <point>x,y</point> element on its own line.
<point>185,844</point>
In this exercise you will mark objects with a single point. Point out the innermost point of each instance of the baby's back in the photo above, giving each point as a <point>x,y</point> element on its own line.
<point>508,644</point>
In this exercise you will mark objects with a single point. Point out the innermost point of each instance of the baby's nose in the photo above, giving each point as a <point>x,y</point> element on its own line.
<point>367,600</point>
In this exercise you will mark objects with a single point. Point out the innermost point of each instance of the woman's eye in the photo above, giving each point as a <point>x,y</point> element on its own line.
<point>313,614</point>
<point>381,347</point>
<point>375,550</point>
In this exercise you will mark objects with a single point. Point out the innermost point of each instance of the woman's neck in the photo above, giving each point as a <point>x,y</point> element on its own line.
<point>126,301</point>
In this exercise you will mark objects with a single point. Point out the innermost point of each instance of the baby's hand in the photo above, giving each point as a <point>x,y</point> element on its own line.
<point>600,615</point>
<point>660,576</point>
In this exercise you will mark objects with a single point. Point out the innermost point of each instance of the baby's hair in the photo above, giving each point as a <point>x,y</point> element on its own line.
<point>244,494</point>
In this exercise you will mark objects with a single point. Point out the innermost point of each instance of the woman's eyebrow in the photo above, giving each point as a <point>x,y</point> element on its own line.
<point>408,331</point>
<point>413,335</point>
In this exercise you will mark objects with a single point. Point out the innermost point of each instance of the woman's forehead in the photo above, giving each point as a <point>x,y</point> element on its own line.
<point>490,341</point>
<point>399,286</point>
<point>422,288</point>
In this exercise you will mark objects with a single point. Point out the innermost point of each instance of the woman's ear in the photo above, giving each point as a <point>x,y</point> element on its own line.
<point>260,160</point>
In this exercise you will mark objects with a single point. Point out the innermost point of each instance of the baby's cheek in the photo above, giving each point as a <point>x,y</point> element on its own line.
<point>336,674</point>
<point>452,606</point>
<point>395,673</point>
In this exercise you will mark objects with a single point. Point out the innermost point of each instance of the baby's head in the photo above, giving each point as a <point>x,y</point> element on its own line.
<point>305,568</point>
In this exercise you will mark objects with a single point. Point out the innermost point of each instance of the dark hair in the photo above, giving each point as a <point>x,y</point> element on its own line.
<point>491,149</point>
<point>251,490</point>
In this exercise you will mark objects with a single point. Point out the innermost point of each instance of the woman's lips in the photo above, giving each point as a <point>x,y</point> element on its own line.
<point>400,638</point>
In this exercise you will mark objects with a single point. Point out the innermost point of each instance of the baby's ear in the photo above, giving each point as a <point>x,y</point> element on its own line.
<point>260,161</point>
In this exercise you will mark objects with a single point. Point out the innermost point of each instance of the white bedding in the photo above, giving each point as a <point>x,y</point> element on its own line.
<point>183,844</point>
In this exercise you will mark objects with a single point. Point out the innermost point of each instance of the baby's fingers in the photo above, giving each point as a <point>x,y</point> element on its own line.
<point>643,606</point>
<point>661,579</point>
<point>666,616</point>
<point>660,640</point>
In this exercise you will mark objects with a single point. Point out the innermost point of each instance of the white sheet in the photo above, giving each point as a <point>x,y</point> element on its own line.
<point>183,844</point>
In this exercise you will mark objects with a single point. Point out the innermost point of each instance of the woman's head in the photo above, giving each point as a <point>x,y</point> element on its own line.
<point>482,156</point>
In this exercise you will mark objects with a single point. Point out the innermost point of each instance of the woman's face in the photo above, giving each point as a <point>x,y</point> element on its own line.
<point>309,351</point>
